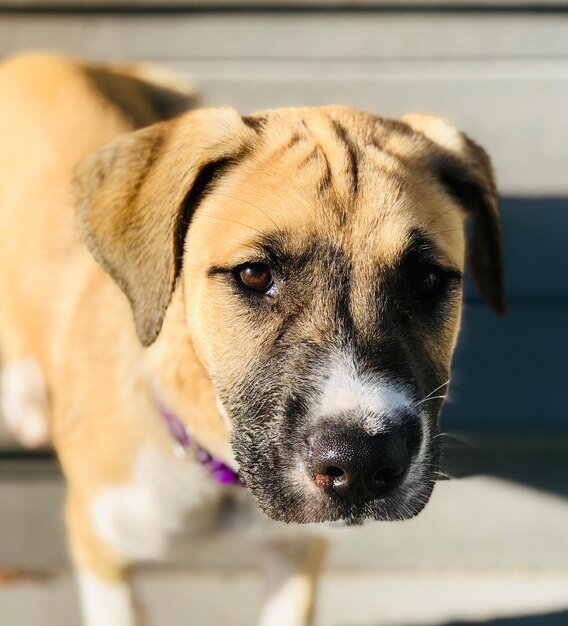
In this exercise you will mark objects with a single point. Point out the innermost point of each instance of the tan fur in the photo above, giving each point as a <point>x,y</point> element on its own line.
<point>60,307</point>
<point>51,120</point>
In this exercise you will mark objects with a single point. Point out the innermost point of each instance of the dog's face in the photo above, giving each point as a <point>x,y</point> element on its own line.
<point>323,254</point>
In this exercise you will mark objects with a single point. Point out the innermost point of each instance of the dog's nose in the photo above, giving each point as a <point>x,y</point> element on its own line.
<point>359,467</point>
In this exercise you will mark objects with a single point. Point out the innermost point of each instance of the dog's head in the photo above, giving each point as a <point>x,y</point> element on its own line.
<point>321,254</point>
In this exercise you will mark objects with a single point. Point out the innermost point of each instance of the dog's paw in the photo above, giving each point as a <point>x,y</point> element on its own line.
<point>23,402</point>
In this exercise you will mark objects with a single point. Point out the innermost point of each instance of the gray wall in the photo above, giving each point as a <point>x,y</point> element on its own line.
<point>501,75</point>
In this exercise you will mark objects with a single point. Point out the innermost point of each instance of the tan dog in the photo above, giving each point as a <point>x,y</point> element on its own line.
<point>278,294</point>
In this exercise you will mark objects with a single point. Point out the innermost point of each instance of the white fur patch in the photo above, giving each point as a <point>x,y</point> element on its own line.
<point>23,401</point>
<point>285,606</point>
<point>223,413</point>
<point>346,390</point>
<point>289,571</point>
<point>105,604</point>
<point>416,471</point>
<point>164,498</point>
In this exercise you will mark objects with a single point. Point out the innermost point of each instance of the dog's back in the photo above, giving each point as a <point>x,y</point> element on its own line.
<point>54,111</point>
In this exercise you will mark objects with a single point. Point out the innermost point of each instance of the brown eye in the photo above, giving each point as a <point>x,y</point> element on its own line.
<point>255,276</point>
<point>426,283</point>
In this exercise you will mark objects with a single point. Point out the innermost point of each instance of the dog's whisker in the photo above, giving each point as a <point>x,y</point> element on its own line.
<point>231,197</point>
<point>440,435</point>
<point>437,388</point>
<point>436,470</point>
<point>226,219</point>
<point>439,216</point>
<point>431,398</point>
<point>442,475</point>
<point>451,230</point>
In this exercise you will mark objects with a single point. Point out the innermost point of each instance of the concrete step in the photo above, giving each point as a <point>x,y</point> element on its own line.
<point>180,597</point>
<point>477,521</point>
<point>486,547</point>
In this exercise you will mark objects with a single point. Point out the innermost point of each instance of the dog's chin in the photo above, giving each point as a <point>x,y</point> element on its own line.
<point>293,505</point>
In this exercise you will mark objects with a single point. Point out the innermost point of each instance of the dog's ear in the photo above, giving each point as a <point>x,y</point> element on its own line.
<point>135,198</point>
<point>465,170</point>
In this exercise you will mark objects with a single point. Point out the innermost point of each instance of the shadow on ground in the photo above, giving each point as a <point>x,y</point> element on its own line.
<point>546,619</point>
<point>538,461</point>
<point>535,461</point>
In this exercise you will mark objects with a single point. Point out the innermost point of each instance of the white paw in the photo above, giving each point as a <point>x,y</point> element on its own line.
<point>23,402</point>
<point>105,603</point>
<point>288,605</point>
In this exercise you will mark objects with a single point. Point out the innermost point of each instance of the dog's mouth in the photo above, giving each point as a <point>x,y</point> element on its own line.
<point>293,490</point>
<point>305,506</point>
<point>344,447</point>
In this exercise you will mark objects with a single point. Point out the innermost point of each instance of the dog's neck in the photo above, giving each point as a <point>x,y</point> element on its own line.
<point>219,471</point>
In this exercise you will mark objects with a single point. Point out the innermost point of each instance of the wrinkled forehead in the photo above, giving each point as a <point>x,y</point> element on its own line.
<point>311,178</point>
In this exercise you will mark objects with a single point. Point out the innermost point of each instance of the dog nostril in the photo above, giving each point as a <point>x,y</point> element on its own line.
<point>333,471</point>
<point>329,476</point>
<point>386,474</point>
<point>359,467</point>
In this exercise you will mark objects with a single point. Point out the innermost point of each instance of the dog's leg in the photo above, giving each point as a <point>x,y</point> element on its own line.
<point>290,570</point>
<point>105,593</point>
<point>105,603</point>
<point>23,402</point>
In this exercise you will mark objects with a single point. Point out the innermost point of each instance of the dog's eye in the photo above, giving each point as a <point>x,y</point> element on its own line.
<point>255,276</point>
<point>426,283</point>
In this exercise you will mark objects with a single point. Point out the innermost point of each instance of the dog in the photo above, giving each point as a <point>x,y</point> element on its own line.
<point>194,301</point>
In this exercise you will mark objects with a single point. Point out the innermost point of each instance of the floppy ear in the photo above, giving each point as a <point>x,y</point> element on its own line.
<point>135,198</point>
<point>465,170</point>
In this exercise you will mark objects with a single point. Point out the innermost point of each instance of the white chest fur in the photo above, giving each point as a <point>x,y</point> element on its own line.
<point>165,497</point>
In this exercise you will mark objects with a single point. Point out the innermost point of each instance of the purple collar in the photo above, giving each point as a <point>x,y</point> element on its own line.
<point>218,471</point>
